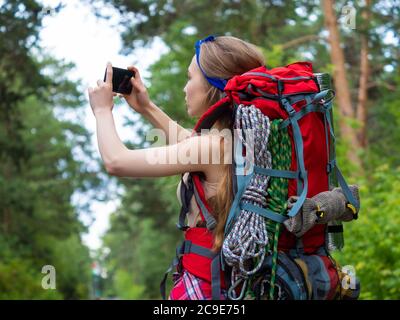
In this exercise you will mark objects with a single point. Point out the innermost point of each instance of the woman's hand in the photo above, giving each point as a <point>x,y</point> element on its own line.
<point>101,97</point>
<point>138,99</point>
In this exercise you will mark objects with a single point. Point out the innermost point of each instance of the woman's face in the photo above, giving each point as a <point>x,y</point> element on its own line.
<point>195,90</point>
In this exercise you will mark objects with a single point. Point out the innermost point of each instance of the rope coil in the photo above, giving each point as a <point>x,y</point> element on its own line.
<point>253,236</point>
<point>247,240</point>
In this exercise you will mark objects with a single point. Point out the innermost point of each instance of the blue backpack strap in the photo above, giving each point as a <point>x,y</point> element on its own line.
<point>242,180</point>
<point>301,175</point>
<point>311,106</point>
<point>332,165</point>
<point>325,109</point>
<point>276,173</point>
<point>187,192</point>
<point>264,211</point>
<point>298,143</point>
<point>346,190</point>
<point>330,142</point>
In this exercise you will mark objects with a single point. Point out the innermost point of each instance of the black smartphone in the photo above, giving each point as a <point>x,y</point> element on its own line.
<point>121,80</point>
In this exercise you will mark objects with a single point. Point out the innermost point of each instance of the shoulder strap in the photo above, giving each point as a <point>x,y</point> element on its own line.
<point>194,187</point>
<point>202,203</point>
<point>186,194</point>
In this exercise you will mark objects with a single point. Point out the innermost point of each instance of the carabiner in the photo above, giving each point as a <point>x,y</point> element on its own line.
<point>233,287</point>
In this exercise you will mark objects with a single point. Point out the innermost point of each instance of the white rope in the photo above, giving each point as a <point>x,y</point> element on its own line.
<point>248,237</point>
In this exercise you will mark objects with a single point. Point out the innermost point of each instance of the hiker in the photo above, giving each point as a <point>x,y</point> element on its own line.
<point>221,59</point>
<point>206,188</point>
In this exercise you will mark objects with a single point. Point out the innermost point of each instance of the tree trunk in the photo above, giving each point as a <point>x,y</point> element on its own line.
<point>364,78</point>
<point>341,84</point>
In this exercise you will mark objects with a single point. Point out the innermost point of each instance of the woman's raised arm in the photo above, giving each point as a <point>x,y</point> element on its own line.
<point>159,119</point>
<point>198,153</point>
<point>191,154</point>
<point>139,101</point>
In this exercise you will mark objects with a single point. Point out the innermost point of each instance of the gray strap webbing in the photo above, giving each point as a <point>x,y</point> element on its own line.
<point>186,193</point>
<point>216,278</point>
<point>210,220</point>
<point>264,212</point>
<point>277,173</point>
<point>346,190</point>
<point>189,247</point>
<point>298,143</point>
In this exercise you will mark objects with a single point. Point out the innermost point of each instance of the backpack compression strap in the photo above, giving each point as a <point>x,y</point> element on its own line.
<point>188,247</point>
<point>312,106</point>
<point>194,187</point>
<point>187,191</point>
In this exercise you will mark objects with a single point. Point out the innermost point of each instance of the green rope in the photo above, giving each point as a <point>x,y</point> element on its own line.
<point>280,147</point>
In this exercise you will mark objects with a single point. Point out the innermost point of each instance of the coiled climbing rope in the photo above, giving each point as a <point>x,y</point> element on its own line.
<point>247,240</point>
<point>253,236</point>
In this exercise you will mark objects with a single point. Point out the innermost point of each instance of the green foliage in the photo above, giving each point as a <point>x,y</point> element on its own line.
<point>125,286</point>
<point>372,241</point>
<point>141,236</point>
<point>38,172</point>
<point>273,57</point>
<point>383,133</point>
<point>21,280</point>
<point>72,262</point>
<point>154,256</point>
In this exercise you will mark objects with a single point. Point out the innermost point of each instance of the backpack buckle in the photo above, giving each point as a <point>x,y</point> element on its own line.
<point>330,165</point>
<point>288,107</point>
<point>292,112</point>
<point>181,227</point>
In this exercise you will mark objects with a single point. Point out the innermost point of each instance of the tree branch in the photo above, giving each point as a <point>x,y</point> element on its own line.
<point>301,40</point>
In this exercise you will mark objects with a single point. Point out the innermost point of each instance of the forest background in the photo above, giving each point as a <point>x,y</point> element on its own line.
<point>356,41</point>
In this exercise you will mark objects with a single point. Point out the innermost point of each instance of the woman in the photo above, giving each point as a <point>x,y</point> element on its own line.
<point>216,61</point>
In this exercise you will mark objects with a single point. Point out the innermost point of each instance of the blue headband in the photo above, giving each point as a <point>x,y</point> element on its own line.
<point>216,82</point>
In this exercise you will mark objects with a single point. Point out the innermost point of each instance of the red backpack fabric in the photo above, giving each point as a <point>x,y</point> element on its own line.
<point>260,82</point>
<point>196,264</point>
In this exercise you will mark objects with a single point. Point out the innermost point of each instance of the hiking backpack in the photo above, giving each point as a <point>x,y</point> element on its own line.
<point>284,146</point>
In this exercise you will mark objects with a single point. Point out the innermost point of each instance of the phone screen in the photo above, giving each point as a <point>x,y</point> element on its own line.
<point>121,80</point>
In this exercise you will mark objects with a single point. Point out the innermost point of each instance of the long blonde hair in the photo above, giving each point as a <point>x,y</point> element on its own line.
<point>224,58</point>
